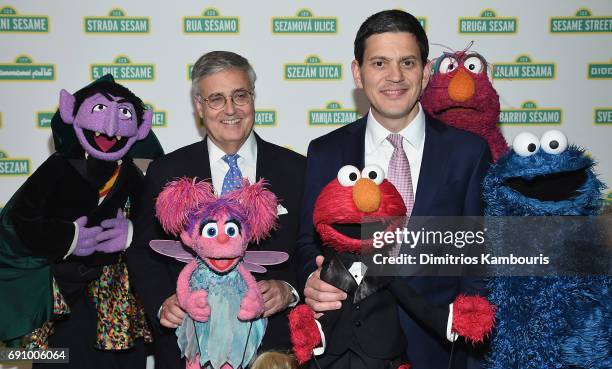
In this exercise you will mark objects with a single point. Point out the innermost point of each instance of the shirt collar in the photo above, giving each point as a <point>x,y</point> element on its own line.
<point>247,152</point>
<point>413,133</point>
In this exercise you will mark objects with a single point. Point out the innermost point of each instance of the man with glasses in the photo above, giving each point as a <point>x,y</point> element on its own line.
<point>223,91</point>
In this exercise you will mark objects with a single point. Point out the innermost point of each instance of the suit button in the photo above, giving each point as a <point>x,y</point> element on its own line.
<point>357,307</point>
<point>358,324</point>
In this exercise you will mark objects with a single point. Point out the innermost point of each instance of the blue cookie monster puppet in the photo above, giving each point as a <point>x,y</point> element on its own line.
<point>548,322</point>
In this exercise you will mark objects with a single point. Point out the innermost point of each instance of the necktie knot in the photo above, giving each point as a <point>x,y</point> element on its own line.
<point>231,160</point>
<point>396,140</point>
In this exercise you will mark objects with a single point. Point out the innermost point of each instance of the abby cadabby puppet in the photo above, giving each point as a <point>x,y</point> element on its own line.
<point>223,326</point>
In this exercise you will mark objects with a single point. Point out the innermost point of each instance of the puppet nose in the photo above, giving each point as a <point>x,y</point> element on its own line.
<point>111,127</point>
<point>222,238</point>
<point>461,87</point>
<point>366,195</point>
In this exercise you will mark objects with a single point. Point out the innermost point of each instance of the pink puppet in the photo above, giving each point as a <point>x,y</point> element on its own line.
<point>223,326</point>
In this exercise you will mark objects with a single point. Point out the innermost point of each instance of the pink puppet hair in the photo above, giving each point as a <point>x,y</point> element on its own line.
<point>179,199</point>
<point>261,206</point>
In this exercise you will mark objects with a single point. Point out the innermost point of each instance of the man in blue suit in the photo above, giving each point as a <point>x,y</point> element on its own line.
<point>446,168</point>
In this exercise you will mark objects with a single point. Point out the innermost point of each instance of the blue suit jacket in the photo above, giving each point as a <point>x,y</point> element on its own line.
<point>452,169</point>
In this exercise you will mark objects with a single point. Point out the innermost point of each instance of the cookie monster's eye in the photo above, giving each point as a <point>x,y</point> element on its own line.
<point>373,172</point>
<point>348,175</point>
<point>232,229</point>
<point>209,230</point>
<point>553,142</point>
<point>473,64</point>
<point>525,144</point>
<point>447,65</point>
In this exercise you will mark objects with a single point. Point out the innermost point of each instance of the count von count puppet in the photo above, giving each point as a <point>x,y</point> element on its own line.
<point>64,232</point>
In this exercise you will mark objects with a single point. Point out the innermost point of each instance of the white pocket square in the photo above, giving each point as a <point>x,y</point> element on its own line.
<point>280,210</point>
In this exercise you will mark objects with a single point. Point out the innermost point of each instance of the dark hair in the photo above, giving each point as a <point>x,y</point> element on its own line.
<point>391,21</point>
<point>109,88</point>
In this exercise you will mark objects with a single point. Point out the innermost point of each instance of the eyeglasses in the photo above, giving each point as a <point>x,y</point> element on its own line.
<point>218,101</point>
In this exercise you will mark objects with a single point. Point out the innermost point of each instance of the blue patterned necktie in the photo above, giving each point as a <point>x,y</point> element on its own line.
<point>233,176</point>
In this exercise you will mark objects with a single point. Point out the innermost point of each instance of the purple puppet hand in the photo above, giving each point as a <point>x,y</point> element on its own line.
<point>115,234</point>
<point>86,241</point>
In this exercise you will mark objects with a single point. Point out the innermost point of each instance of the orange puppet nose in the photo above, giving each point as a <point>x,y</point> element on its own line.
<point>366,195</point>
<point>222,238</point>
<point>461,87</point>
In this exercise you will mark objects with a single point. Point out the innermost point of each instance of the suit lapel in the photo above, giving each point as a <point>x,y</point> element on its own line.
<point>353,148</point>
<point>200,156</point>
<point>264,165</point>
<point>433,166</point>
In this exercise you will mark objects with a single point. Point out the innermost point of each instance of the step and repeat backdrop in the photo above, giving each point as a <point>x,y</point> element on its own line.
<point>552,64</point>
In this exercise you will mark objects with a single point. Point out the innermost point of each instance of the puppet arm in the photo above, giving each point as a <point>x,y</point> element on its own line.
<point>252,304</point>
<point>195,303</point>
<point>306,333</point>
<point>117,234</point>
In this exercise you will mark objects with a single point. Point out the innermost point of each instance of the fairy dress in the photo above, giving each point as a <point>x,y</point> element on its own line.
<point>223,338</point>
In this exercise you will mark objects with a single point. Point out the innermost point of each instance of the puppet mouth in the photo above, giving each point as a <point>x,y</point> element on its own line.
<point>221,265</point>
<point>550,187</point>
<point>360,231</point>
<point>104,143</point>
<point>459,109</point>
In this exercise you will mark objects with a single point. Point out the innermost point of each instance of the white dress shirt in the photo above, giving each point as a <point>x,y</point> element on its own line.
<point>247,162</point>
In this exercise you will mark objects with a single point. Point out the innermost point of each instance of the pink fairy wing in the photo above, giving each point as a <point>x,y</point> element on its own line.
<point>254,267</point>
<point>173,249</point>
<point>265,257</point>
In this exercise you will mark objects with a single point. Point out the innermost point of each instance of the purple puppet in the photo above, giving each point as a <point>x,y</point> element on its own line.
<point>224,326</point>
<point>70,222</point>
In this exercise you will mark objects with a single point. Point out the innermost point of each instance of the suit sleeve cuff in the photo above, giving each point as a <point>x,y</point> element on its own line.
<point>74,241</point>
<point>450,335</point>
<point>321,349</point>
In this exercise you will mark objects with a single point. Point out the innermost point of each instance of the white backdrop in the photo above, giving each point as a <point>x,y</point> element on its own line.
<point>49,45</point>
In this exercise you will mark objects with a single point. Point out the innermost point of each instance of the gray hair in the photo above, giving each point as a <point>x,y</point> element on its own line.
<point>218,61</point>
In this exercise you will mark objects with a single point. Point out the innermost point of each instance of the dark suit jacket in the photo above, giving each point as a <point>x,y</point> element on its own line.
<point>453,166</point>
<point>154,276</point>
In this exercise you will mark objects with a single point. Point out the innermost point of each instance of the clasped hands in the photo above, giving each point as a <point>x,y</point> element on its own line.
<point>109,237</point>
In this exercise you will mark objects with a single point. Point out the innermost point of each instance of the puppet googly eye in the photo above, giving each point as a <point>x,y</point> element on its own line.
<point>525,144</point>
<point>553,142</point>
<point>473,64</point>
<point>98,107</point>
<point>448,65</point>
<point>209,230</point>
<point>373,172</point>
<point>125,113</point>
<point>348,175</point>
<point>232,229</point>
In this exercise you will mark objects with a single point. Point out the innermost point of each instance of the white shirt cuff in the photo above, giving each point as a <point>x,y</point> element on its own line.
<point>320,349</point>
<point>129,234</point>
<point>450,335</point>
<point>295,294</point>
<point>74,241</point>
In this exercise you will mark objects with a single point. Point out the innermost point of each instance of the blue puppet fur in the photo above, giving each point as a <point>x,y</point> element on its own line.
<point>548,322</point>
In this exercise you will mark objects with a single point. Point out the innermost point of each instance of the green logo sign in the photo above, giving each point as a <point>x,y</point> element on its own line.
<point>25,70</point>
<point>608,198</point>
<point>211,21</point>
<point>603,116</point>
<point>123,70</point>
<point>332,115</point>
<point>116,22</point>
<point>11,22</point>
<point>13,167</point>
<point>265,118</point>
<point>488,23</point>
<point>313,69</point>
<point>524,68</point>
<point>600,70</point>
<point>43,119</point>
<point>159,116</point>
<point>304,22</point>
<point>189,68</point>
<point>530,114</point>
<point>582,22</point>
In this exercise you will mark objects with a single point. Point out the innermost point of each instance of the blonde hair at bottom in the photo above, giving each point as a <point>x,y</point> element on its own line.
<point>274,360</point>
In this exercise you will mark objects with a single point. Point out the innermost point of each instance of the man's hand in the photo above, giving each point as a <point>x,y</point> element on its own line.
<point>276,295</point>
<point>322,296</point>
<point>171,314</point>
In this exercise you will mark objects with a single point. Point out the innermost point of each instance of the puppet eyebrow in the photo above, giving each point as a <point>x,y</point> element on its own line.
<point>108,96</point>
<point>236,222</point>
<point>122,100</point>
